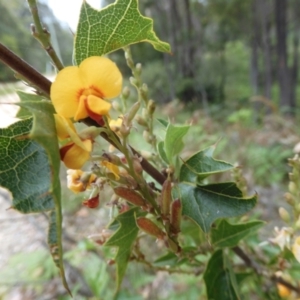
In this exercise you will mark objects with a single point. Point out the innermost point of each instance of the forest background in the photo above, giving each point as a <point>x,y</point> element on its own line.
<point>233,73</point>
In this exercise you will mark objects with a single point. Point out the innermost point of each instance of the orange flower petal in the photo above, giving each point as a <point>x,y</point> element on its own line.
<point>81,112</point>
<point>98,105</point>
<point>75,157</point>
<point>101,74</point>
<point>65,91</point>
<point>112,168</point>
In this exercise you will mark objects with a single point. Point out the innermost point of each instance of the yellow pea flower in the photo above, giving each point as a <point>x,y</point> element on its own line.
<point>78,181</point>
<point>115,125</point>
<point>82,91</point>
<point>76,152</point>
<point>112,168</point>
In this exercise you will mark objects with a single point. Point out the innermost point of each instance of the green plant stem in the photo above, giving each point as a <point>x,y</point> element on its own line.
<point>43,84</point>
<point>42,35</point>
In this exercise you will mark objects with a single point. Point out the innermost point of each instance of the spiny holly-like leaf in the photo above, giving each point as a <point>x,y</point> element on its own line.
<point>44,132</point>
<point>219,278</point>
<point>123,238</point>
<point>201,165</point>
<point>173,140</point>
<point>228,235</point>
<point>118,25</point>
<point>207,203</point>
<point>24,169</point>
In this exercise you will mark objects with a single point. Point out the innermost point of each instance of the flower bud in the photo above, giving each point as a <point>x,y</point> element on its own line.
<point>292,187</point>
<point>151,107</point>
<point>141,121</point>
<point>145,113</point>
<point>147,136</point>
<point>116,106</point>
<point>144,91</point>
<point>138,68</point>
<point>284,215</point>
<point>175,221</point>
<point>130,196</point>
<point>92,203</point>
<point>89,133</point>
<point>147,155</point>
<point>289,198</point>
<point>126,93</point>
<point>132,112</point>
<point>133,81</point>
<point>166,197</point>
<point>297,224</point>
<point>149,227</point>
<point>136,161</point>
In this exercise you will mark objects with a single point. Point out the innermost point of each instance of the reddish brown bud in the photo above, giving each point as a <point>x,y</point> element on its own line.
<point>166,197</point>
<point>92,203</point>
<point>130,196</point>
<point>176,210</point>
<point>149,227</point>
<point>111,262</point>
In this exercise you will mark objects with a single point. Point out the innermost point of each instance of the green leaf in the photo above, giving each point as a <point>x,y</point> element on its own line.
<point>44,132</point>
<point>170,259</point>
<point>118,25</point>
<point>123,238</point>
<point>207,203</point>
<point>24,169</point>
<point>201,165</point>
<point>163,122</point>
<point>161,151</point>
<point>228,235</point>
<point>23,112</point>
<point>173,141</point>
<point>219,279</point>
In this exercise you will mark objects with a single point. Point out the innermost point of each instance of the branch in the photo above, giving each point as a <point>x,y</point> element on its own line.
<point>43,84</point>
<point>20,66</point>
<point>257,269</point>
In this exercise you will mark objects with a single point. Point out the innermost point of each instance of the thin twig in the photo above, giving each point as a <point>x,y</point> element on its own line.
<point>42,34</point>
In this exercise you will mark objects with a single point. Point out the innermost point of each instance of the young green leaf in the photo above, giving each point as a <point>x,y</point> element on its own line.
<point>173,140</point>
<point>201,165</point>
<point>219,278</point>
<point>228,235</point>
<point>123,239</point>
<point>118,25</point>
<point>207,203</point>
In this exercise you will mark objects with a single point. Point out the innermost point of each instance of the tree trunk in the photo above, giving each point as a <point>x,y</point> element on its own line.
<point>282,66</point>
<point>265,13</point>
<point>254,72</point>
<point>189,52</point>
